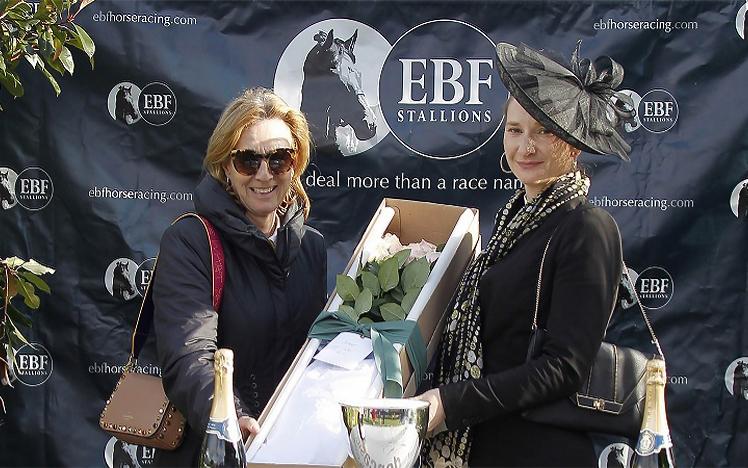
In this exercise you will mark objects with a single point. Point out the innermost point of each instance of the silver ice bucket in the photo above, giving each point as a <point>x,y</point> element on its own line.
<point>386,432</point>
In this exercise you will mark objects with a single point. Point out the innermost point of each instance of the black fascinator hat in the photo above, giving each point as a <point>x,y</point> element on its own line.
<point>577,102</point>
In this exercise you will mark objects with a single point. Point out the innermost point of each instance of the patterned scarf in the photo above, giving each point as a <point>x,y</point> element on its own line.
<point>461,356</point>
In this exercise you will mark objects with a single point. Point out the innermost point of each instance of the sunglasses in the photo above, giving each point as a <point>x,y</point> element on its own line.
<point>247,162</point>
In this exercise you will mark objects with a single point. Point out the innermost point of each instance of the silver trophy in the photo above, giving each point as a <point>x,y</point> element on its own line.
<point>385,432</point>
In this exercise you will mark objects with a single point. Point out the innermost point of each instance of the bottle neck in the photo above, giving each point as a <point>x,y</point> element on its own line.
<point>655,433</point>
<point>223,395</point>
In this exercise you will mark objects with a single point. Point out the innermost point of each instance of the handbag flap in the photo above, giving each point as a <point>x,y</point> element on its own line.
<point>616,380</point>
<point>137,405</point>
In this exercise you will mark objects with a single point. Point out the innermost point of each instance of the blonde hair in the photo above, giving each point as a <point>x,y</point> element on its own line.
<point>252,106</point>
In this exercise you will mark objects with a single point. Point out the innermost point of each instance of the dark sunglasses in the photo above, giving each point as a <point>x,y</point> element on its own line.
<point>247,162</point>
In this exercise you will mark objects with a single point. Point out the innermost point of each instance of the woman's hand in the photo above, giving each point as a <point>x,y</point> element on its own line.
<point>436,409</point>
<point>249,426</point>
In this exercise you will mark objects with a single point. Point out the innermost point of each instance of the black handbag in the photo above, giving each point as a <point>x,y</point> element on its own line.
<point>611,399</point>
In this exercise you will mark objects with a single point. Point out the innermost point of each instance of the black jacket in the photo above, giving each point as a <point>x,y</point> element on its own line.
<point>271,297</point>
<point>581,273</point>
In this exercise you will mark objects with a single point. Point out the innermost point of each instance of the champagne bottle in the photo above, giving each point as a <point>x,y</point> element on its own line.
<point>222,444</point>
<point>654,448</point>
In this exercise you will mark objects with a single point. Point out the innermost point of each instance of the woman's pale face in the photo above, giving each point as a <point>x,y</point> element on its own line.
<point>535,155</point>
<point>263,192</point>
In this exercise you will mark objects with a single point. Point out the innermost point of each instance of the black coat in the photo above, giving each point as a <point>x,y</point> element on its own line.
<point>581,274</point>
<point>271,297</point>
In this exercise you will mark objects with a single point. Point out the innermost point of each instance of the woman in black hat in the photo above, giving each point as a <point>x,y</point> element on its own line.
<point>485,379</point>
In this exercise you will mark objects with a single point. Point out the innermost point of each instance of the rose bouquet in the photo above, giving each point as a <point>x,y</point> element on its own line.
<point>388,282</point>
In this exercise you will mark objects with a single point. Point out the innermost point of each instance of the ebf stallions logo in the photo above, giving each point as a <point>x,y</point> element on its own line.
<point>125,279</point>
<point>657,111</point>
<point>616,455</point>
<point>330,71</point>
<point>736,378</point>
<point>32,188</point>
<point>32,365</point>
<point>155,103</point>
<point>654,285</point>
<point>118,454</point>
<point>440,98</point>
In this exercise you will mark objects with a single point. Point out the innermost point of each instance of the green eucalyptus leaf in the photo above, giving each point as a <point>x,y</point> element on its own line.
<point>37,268</point>
<point>372,267</point>
<point>11,83</point>
<point>52,81</point>
<point>66,57</point>
<point>16,334</point>
<point>410,299</point>
<point>346,287</point>
<point>363,302</point>
<point>36,281</point>
<point>415,274</point>
<point>371,282</point>
<point>18,316</point>
<point>397,294</point>
<point>402,257</point>
<point>365,321</point>
<point>86,43</point>
<point>388,275</point>
<point>348,310</point>
<point>391,312</point>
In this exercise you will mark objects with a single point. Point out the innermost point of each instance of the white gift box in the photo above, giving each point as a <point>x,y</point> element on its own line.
<point>302,424</point>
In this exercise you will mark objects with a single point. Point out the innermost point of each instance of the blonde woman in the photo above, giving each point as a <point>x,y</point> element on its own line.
<point>275,267</point>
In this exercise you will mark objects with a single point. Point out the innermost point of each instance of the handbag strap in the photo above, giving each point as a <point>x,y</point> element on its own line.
<point>655,341</point>
<point>145,316</point>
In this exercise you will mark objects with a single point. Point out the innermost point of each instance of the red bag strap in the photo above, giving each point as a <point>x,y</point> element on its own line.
<point>218,267</point>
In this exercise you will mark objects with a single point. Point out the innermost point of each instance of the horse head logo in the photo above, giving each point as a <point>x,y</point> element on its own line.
<point>616,458</point>
<point>122,286</point>
<point>124,455</point>
<point>331,94</point>
<point>124,107</point>
<point>740,380</point>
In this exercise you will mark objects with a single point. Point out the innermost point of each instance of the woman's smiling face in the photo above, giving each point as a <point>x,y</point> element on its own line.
<point>263,192</point>
<point>535,155</point>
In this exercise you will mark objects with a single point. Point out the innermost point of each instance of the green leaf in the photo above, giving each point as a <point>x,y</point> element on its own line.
<point>34,60</point>
<point>346,287</point>
<point>86,43</point>
<point>36,268</point>
<point>365,321</point>
<point>363,303</point>
<point>415,274</point>
<point>66,57</point>
<point>372,267</point>
<point>52,81</point>
<point>402,257</point>
<point>370,282</point>
<point>57,4</point>
<point>397,294</point>
<point>10,82</point>
<point>388,274</point>
<point>36,281</point>
<point>391,312</point>
<point>84,4</point>
<point>18,316</point>
<point>28,292</point>
<point>348,310</point>
<point>2,63</point>
<point>13,262</point>
<point>410,299</point>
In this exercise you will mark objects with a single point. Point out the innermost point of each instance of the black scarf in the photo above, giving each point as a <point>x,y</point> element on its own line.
<point>461,352</point>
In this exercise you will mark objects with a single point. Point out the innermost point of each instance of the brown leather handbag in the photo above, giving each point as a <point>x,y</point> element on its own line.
<point>139,412</point>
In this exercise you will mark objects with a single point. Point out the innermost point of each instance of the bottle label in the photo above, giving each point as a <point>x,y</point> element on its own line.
<point>650,442</point>
<point>225,430</point>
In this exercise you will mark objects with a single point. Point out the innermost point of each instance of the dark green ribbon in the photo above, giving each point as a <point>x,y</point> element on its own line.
<point>383,336</point>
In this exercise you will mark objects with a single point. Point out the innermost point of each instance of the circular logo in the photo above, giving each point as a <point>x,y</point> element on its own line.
<point>34,188</point>
<point>143,275</point>
<point>330,71</point>
<point>658,111</point>
<point>654,286</point>
<point>736,378</point>
<point>740,20</point>
<point>441,99</point>
<point>646,444</point>
<point>123,102</point>
<point>738,200</point>
<point>616,455</point>
<point>119,454</point>
<point>33,364</point>
<point>157,104</point>
<point>119,279</point>
<point>7,188</point>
